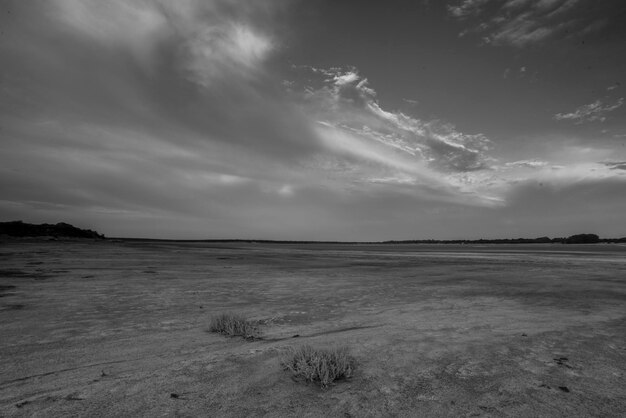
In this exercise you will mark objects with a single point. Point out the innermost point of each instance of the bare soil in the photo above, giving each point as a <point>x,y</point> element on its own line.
<point>120,328</point>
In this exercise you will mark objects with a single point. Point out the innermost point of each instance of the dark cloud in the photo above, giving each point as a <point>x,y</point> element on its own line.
<point>620,165</point>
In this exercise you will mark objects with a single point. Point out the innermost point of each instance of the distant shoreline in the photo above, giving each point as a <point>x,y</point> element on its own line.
<point>390,242</point>
<point>19,229</point>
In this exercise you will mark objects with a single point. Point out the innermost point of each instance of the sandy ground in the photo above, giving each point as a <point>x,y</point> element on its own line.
<point>120,329</point>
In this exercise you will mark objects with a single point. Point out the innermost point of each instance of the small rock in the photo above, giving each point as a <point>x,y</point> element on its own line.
<point>562,361</point>
<point>174,395</point>
<point>564,388</point>
<point>21,404</point>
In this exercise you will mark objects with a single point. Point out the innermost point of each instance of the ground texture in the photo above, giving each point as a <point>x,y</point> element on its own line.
<point>112,328</point>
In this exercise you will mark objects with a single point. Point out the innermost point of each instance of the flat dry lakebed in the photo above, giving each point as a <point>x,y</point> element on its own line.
<point>120,328</point>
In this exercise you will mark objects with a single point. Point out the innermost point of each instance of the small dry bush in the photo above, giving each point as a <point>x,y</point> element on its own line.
<point>322,366</point>
<point>233,325</point>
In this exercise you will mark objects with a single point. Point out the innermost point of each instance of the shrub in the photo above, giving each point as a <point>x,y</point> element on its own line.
<point>322,366</point>
<point>583,239</point>
<point>233,325</point>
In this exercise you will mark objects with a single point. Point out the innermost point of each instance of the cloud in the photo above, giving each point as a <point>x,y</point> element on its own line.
<point>163,117</point>
<point>527,164</point>
<point>345,102</point>
<point>466,8</point>
<point>144,96</point>
<point>524,22</point>
<point>211,43</point>
<point>191,68</point>
<point>217,51</point>
<point>616,165</point>
<point>593,112</point>
<point>144,106</point>
<point>172,119</point>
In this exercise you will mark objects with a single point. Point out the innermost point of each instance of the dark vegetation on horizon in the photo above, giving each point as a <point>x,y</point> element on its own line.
<point>22,229</point>
<point>573,239</point>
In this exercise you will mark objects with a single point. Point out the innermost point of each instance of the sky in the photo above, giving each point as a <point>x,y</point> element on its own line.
<point>315,119</point>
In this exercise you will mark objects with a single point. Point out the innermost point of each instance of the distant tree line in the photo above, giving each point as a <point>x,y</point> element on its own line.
<point>22,229</point>
<point>573,239</point>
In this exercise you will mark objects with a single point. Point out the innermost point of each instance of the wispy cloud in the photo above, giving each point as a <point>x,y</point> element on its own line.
<point>389,146</point>
<point>524,22</point>
<point>592,112</point>
<point>346,102</point>
<point>409,153</point>
<point>527,164</point>
<point>114,102</point>
<point>466,8</point>
<point>212,42</point>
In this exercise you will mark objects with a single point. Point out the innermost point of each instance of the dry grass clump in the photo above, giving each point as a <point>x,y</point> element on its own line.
<point>233,325</point>
<point>322,366</point>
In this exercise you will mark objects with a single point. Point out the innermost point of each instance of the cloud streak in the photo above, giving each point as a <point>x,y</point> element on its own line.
<point>592,112</point>
<point>346,102</point>
<point>521,23</point>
